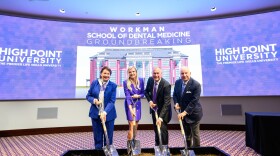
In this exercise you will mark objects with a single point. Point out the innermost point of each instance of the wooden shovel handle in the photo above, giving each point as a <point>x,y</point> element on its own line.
<point>182,128</point>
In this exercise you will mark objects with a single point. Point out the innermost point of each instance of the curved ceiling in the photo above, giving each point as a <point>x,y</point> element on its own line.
<point>134,10</point>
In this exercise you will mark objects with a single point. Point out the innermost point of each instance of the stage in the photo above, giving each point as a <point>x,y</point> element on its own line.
<point>213,151</point>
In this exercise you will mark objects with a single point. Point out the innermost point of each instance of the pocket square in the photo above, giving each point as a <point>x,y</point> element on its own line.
<point>188,92</point>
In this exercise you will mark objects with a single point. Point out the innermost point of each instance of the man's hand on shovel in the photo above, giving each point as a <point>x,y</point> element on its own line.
<point>182,114</point>
<point>159,120</point>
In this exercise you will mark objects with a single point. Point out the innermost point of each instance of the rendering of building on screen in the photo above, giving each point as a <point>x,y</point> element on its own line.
<point>144,59</point>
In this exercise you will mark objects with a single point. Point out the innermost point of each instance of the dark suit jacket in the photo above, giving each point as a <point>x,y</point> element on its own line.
<point>189,101</point>
<point>109,100</point>
<point>163,100</point>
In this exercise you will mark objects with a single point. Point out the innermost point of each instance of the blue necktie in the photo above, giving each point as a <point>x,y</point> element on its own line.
<point>183,88</point>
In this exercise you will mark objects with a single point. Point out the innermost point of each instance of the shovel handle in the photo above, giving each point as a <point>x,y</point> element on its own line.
<point>105,133</point>
<point>158,128</point>
<point>183,132</point>
<point>103,125</point>
<point>134,110</point>
<point>159,132</point>
<point>182,128</point>
<point>100,109</point>
<point>180,121</point>
<point>134,120</point>
<point>103,122</point>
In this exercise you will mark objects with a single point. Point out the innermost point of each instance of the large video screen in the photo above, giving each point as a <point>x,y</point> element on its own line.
<point>43,59</point>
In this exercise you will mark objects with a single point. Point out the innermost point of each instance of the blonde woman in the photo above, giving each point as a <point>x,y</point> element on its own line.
<point>134,91</point>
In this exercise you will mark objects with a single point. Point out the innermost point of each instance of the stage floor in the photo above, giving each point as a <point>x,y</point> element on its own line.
<point>231,142</point>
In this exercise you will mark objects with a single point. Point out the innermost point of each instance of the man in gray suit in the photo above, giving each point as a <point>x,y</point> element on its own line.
<point>186,97</point>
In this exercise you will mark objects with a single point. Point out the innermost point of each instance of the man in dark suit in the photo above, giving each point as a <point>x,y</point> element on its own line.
<point>186,97</point>
<point>158,94</point>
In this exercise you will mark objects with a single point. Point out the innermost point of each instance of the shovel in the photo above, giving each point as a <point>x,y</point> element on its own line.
<point>109,150</point>
<point>161,150</point>
<point>133,146</point>
<point>184,152</point>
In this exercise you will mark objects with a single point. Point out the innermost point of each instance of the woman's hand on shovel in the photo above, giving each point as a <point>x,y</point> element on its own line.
<point>132,112</point>
<point>103,116</point>
<point>135,96</point>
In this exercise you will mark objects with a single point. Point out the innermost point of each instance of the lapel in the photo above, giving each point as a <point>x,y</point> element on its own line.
<point>107,87</point>
<point>152,84</point>
<point>180,86</point>
<point>133,88</point>
<point>96,89</point>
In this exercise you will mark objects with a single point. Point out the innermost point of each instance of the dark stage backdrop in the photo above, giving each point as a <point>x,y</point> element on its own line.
<point>41,59</point>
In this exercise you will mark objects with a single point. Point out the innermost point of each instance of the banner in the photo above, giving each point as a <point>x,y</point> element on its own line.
<point>41,59</point>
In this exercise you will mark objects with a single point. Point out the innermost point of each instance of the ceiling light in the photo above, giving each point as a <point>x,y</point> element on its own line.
<point>213,9</point>
<point>62,11</point>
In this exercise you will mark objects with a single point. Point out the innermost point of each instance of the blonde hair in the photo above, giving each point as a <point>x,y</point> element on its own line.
<point>129,81</point>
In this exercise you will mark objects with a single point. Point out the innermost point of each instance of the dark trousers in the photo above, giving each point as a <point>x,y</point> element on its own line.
<point>164,131</point>
<point>192,133</point>
<point>98,132</point>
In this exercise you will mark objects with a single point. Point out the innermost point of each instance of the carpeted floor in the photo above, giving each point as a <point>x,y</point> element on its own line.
<point>231,142</point>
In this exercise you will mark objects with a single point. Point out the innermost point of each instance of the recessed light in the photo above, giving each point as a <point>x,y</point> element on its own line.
<point>137,14</point>
<point>213,9</point>
<point>62,11</point>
